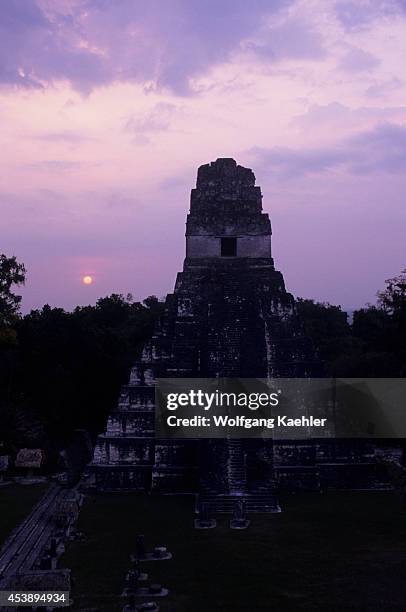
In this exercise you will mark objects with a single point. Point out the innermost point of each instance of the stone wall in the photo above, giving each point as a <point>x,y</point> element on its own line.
<point>210,246</point>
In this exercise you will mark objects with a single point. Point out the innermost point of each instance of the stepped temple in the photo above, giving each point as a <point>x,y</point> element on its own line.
<point>229,316</point>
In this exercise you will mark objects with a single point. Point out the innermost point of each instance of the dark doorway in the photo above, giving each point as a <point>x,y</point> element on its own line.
<point>228,247</point>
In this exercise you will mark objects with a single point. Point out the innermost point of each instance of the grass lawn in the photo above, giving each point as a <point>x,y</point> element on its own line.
<point>16,501</point>
<point>338,551</point>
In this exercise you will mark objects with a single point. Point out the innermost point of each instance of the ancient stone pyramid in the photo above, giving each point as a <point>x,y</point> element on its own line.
<point>229,316</point>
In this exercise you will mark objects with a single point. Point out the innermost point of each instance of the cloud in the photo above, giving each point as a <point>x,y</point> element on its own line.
<point>35,49</point>
<point>289,163</point>
<point>356,14</point>
<point>157,119</point>
<point>337,116</point>
<point>357,60</point>
<point>293,38</point>
<point>381,150</point>
<point>381,88</point>
<point>59,165</point>
<point>96,42</point>
<point>67,136</point>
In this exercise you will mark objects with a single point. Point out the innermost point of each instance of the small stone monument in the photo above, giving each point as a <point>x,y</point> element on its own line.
<point>140,546</point>
<point>132,583</point>
<point>160,553</point>
<point>147,606</point>
<point>204,521</point>
<point>136,591</point>
<point>133,578</point>
<point>239,520</point>
<point>157,590</point>
<point>135,571</point>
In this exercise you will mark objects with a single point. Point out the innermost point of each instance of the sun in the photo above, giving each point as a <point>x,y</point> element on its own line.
<point>87,280</point>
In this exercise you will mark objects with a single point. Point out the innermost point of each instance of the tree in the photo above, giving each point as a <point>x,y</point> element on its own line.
<point>327,326</point>
<point>379,332</point>
<point>393,298</point>
<point>11,273</point>
<point>71,364</point>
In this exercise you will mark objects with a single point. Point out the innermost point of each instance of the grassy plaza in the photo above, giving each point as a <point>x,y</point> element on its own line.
<point>337,551</point>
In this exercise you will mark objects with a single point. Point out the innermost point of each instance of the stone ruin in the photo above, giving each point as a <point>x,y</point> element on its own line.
<point>28,463</point>
<point>229,316</point>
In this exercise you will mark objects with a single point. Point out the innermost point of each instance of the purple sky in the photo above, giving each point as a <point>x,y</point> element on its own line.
<point>108,107</point>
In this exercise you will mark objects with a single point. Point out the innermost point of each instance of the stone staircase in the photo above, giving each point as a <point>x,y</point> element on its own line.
<point>255,503</point>
<point>236,466</point>
<point>262,500</point>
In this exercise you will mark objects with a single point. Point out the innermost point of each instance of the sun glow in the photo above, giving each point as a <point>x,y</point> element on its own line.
<point>87,280</point>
